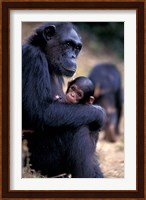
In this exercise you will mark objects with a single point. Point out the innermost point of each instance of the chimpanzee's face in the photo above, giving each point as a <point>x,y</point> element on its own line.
<point>75,94</point>
<point>63,48</point>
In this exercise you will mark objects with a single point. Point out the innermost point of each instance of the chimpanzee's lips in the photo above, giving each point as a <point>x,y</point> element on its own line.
<point>73,69</point>
<point>69,71</point>
<point>70,99</point>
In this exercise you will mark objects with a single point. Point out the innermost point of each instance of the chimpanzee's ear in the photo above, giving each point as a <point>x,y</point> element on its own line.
<point>49,32</point>
<point>91,100</point>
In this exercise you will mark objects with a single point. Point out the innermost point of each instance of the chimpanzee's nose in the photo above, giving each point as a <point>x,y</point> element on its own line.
<point>72,94</point>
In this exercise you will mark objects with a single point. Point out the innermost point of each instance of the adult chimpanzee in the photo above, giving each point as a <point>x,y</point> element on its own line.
<point>48,55</point>
<point>108,94</point>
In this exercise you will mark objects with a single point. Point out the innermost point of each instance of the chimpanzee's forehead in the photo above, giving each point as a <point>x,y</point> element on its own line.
<point>71,35</point>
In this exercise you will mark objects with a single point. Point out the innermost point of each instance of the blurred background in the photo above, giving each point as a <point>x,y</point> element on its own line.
<point>103,42</point>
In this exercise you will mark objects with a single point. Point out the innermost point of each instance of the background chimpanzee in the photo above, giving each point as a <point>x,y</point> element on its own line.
<point>108,94</point>
<point>48,55</point>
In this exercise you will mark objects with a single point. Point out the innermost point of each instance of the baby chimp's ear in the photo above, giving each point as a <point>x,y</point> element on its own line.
<point>91,100</point>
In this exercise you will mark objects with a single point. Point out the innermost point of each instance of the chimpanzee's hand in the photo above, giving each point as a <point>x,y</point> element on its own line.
<point>98,124</point>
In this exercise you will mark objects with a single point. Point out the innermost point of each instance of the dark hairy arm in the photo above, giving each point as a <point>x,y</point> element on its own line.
<point>75,115</point>
<point>38,102</point>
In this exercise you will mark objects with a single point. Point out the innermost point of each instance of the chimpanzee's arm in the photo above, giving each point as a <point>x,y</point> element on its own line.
<point>38,102</point>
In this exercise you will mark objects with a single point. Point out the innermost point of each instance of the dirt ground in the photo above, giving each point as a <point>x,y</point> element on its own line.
<point>111,157</point>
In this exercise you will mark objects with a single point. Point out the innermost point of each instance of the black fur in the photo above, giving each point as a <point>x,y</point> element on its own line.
<point>54,145</point>
<point>107,79</point>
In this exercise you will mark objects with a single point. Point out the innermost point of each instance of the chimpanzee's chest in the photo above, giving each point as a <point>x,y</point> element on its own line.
<point>57,89</point>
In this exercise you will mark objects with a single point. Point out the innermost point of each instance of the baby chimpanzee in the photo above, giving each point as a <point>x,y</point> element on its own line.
<point>80,90</point>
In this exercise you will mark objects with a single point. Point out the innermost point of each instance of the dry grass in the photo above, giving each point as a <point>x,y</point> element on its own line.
<point>111,158</point>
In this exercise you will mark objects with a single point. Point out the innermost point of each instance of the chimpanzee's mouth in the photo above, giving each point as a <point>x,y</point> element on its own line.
<point>69,71</point>
<point>73,69</point>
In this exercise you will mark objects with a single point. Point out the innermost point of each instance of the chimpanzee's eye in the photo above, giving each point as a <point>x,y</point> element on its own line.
<point>78,47</point>
<point>68,44</point>
<point>79,94</point>
<point>73,88</point>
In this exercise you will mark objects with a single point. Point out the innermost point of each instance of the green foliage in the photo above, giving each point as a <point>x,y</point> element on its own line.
<point>104,35</point>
